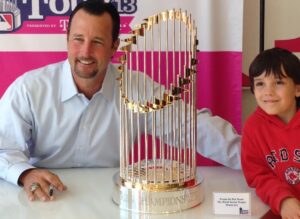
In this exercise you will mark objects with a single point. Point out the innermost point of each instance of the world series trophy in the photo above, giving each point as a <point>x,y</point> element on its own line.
<point>158,173</point>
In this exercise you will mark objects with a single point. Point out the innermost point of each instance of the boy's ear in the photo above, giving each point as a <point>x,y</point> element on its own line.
<point>297,90</point>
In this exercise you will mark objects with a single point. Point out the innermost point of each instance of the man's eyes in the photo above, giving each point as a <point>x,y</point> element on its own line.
<point>78,39</point>
<point>98,42</point>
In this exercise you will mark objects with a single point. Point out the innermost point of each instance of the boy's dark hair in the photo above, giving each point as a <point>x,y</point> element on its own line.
<point>274,61</point>
<point>98,7</point>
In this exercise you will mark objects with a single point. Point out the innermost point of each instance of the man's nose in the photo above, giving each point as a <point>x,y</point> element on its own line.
<point>86,49</point>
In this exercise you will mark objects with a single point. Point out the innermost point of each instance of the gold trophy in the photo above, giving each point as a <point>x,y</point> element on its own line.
<point>158,173</point>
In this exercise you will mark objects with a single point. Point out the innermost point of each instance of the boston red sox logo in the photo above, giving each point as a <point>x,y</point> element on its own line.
<point>292,175</point>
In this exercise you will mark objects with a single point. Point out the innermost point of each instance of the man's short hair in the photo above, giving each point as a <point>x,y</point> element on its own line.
<point>98,7</point>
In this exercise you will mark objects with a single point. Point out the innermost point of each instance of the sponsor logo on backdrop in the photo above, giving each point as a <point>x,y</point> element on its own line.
<point>9,15</point>
<point>51,16</point>
<point>6,21</point>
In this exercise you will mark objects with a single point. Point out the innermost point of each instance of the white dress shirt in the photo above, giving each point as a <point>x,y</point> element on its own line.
<point>45,122</point>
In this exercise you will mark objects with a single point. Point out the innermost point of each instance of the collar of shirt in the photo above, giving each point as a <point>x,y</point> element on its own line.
<point>69,88</point>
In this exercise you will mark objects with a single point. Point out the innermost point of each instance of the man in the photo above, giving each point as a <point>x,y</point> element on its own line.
<point>67,114</point>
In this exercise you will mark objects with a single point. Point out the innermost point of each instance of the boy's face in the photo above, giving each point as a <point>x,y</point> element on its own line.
<point>276,96</point>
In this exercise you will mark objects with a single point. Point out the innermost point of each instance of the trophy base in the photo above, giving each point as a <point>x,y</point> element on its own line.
<point>158,202</point>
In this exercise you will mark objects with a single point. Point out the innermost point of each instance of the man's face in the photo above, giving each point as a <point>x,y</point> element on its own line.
<point>90,45</point>
<point>276,96</point>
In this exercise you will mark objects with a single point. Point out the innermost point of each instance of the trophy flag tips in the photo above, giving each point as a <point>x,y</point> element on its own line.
<point>158,98</point>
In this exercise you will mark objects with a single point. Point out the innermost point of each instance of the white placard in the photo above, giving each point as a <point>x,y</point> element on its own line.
<point>232,203</point>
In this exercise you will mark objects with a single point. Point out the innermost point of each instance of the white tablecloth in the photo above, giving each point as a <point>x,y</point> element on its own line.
<point>89,196</point>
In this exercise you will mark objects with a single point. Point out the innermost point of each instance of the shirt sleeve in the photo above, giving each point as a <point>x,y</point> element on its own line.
<point>218,140</point>
<point>259,176</point>
<point>15,133</point>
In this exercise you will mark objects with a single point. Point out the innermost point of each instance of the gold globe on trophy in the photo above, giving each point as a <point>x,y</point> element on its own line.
<point>158,98</point>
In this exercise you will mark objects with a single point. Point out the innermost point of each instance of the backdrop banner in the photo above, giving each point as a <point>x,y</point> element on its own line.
<point>33,34</point>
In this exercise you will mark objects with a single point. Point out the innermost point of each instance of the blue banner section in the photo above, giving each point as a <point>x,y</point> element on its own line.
<point>38,9</point>
<point>14,13</point>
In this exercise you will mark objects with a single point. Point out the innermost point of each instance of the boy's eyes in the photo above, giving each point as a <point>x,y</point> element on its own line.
<point>277,82</point>
<point>257,84</point>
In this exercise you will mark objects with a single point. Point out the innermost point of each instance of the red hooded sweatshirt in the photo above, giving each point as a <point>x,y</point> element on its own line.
<point>271,157</point>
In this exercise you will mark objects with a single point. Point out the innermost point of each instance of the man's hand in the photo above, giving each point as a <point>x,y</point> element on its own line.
<point>44,179</point>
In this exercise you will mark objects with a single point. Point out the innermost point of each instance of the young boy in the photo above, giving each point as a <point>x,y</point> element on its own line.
<point>271,135</point>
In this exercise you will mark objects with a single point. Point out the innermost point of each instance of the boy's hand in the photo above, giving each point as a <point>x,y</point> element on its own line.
<point>290,208</point>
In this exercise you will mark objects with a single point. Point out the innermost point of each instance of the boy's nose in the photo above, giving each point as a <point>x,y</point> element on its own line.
<point>269,90</point>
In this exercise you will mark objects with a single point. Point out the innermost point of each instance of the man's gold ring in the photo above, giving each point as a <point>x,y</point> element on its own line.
<point>34,186</point>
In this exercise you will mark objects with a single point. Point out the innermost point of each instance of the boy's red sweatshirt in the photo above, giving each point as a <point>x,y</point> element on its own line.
<point>271,157</point>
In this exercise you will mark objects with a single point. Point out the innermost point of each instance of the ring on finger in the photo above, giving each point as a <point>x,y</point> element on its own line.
<point>34,186</point>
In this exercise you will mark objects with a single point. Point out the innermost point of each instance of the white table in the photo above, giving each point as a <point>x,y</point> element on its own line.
<point>89,196</point>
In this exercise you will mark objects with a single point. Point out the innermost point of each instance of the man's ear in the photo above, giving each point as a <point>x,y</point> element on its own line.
<point>297,90</point>
<point>116,45</point>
